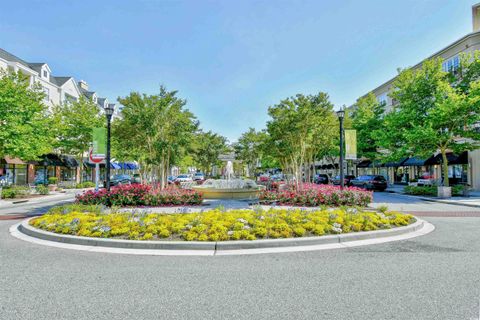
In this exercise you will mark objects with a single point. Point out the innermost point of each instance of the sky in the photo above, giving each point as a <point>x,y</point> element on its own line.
<point>231,60</point>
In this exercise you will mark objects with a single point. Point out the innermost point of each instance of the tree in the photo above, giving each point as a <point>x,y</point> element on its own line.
<point>300,130</point>
<point>431,115</point>
<point>74,123</point>
<point>24,121</point>
<point>248,148</point>
<point>207,146</point>
<point>367,119</point>
<point>155,129</point>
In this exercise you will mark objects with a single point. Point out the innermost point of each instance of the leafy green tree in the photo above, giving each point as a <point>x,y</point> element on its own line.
<point>248,148</point>
<point>367,119</point>
<point>431,115</point>
<point>300,130</point>
<point>74,123</point>
<point>207,146</point>
<point>24,120</point>
<point>156,129</point>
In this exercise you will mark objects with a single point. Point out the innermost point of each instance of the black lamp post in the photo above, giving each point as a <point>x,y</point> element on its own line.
<point>108,112</point>
<point>341,115</point>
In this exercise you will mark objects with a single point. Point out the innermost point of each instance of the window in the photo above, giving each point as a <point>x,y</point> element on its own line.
<point>69,98</point>
<point>46,91</point>
<point>382,99</point>
<point>451,65</point>
<point>45,73</point>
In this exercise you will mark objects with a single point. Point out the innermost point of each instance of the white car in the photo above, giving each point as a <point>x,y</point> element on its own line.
<point>198,176</point>
<point>184,178</point>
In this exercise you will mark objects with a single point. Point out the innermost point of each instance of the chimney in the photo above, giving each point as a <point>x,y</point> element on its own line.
<point>476,17</point>
<point>83,85</point>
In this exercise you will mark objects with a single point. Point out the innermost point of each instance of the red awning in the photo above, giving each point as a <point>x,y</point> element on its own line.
<point>13,160</point>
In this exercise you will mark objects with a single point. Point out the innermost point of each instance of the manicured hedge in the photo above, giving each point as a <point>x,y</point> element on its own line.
<point>312,195</point>
<point>431,190</point>
<point>140,195</point>
<point>219,225</point>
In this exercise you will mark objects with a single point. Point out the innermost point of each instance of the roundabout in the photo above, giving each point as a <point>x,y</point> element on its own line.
<point>26,232</point>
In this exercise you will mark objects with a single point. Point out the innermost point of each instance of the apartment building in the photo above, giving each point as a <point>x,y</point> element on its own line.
<point>58,90</point>
<point>464,168</point>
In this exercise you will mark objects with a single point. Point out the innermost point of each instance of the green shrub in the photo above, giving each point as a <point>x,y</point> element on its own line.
<point>68,208</point>
<point>52,180</point>
<point>85,184</point>
<point>41,189</point>
<point>14,192</point>
<point>457,190</point>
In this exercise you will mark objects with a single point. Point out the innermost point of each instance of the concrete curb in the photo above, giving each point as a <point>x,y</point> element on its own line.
<point>452,202</point>
<point>26,232</point>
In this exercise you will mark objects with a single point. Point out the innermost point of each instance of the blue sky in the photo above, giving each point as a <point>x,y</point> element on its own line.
<point>232,59</point>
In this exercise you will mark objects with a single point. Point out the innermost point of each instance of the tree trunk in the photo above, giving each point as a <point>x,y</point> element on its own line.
<point>445,168</point>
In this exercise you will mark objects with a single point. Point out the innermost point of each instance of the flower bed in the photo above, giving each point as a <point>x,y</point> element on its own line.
<point>312,195</point>
<point>218,225</point>
<point>457,190</point>
<point>140,195</point>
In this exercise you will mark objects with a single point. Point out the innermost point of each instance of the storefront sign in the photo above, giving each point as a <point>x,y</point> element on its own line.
<point>351,144</point>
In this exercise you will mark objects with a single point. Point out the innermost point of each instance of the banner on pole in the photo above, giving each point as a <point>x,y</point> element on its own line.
<point>99,143</point>
<point>351,144</point>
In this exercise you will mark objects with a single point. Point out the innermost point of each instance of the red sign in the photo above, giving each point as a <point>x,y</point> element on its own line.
<point>95,158</point>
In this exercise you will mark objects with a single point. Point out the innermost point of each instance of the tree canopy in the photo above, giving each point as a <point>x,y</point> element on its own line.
<point>25,125</point>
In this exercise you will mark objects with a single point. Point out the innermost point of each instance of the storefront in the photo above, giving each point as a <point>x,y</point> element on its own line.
<point>13,171</point>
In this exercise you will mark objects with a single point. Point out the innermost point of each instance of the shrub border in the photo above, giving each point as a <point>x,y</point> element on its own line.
<point>219,247</point>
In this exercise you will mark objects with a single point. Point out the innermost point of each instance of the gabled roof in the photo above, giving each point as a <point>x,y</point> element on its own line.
<point>88,94</point>
<point>10,57</point>
<point>37,66</point>
<point>59,81</point>
<point>101,101</point>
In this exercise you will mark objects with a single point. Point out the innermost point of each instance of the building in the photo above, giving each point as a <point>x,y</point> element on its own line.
<point>463,168</point>
<point>58,91</point>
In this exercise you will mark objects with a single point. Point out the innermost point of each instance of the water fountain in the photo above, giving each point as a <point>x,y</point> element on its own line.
<point>230,187</point>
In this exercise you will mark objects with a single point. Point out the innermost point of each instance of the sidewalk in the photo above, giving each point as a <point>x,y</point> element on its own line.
<point>472,201</point>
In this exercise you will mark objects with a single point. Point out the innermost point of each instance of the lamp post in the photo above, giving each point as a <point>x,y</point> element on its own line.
<point>341,115</point>
<point>108,112</point>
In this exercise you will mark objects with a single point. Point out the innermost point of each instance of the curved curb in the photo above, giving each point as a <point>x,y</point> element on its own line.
<point>28,233</point>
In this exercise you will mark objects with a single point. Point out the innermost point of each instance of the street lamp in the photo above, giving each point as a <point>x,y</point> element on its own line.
<point>109,109</point>
<point>341,115</point>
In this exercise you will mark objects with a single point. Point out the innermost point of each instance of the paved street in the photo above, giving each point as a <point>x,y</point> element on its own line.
<point>432,277</point>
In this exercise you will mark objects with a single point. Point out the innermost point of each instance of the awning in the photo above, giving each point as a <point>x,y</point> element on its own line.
<point>364,164</point>
<point>115,166</point>
<point>51,159</point>
<point>438,159</point>
<point>374,164</point>
<point>395,164</point>
<point>69,162</point>
<point>461,159</point>
<point>414,162</point>
<point>9,160</point>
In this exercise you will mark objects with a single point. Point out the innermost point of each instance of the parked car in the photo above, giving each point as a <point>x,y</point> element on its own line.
<point>321,179</point>
<point>346,180</point>
<point>370,182</point>
<point>184,178</point>
<point>198,176</point>
<point>171,179</point>
<point>426,179</point>
<point>136,178</point>
<point>120,179</point>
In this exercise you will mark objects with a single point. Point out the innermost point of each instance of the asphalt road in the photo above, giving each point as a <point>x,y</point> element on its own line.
<point>436,276</point>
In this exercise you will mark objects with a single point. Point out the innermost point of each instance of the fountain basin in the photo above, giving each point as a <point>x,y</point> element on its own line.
<point>229,189</point>
<point>211,193</point>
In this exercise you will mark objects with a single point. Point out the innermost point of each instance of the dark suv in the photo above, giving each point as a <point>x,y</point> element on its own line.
<point>346,180</point>
<point>322,179</point>
<point>370,182</point>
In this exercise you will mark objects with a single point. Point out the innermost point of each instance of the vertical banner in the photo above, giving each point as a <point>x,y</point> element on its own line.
<point>99,141</point>
<point>351,144</point>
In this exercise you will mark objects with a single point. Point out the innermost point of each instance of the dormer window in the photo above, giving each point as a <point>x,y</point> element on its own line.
<point>45,74</point>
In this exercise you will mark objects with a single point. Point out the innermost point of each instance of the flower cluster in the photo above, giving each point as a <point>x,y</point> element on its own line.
<point>140,195</point>
<point>219,225</point>
<point>312,195</point>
